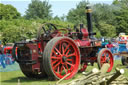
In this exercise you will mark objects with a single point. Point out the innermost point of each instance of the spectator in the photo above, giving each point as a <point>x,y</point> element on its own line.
<point>127,45</point>
<point>2,61</point>
<point>2,58</point>
<point>109,46</point>
<point>115,47</point>
<point>1,49</point>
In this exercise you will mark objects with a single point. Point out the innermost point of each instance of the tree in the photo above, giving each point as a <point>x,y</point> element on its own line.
<point>56,18</point>
<point>17,29</point>
<point>104,19</point>
<point>8,12</point>
<point>38,9</point>
<point>122,20</point>
<point>103,13</point>
<point>121,16</point>
<point>63,18</point>
<point>100,13</point>
<point>115,2</point>
<point>78,15</point>
<point>121,3</point>
<point>107,30</point>
<point>11,34</point>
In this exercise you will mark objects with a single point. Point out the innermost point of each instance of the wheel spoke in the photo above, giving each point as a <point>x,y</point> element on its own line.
<point>53,57</point>
<point>55,53</point>
<point>105,54</point>
<point>107,58</point>
<point>102,60</point>
<point>63,50</point>
<point>70,64</point>
<point>69,59</point>
<point>66,66</point>
<point>66,48</point>
<point>64,69</point>
<point>61,69</point>
<point>58,51</point>
<point>108,61</point>
<point>68,51</point>
<point>60,47</point>
<point>54,62</point>
<point>56,65</point>
<point>58,69</point>
<point>70,55</point>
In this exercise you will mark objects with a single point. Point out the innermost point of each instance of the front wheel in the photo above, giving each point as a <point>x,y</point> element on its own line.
<point>105,56</point>
<point>61,57</point>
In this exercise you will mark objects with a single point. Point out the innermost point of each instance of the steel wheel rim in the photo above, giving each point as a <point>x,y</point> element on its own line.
<point>64,58</point>
<point>106,57</point>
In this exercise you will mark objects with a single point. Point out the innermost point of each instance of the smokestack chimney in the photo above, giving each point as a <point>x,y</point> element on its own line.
<point>89,20</point>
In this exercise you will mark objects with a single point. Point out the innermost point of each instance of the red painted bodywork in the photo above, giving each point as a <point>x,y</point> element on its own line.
<point>85,41</point>
<point>38,48</point>
<point>81,43</point>
<point>49,49</point>
<point>84,32</point>
<point>34,56</point>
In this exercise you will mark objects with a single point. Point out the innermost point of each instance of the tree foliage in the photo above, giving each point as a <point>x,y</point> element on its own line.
<point>8,12</point>
<point>103,12</point>
<point>77,15</point>
<point>107,30</point>
<point>104,19</point>
<point>16,30</point>
<point>108,20</point>
<point>121,16</point>
<point>100,13</point>
<point>19,29</point>
<point>38,9</point>
<point>121,3</point>
<point>122,20</point>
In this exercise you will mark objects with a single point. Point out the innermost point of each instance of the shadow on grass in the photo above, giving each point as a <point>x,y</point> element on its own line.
<point>24,79</point>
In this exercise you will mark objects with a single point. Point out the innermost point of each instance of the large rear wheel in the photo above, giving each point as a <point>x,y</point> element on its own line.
<point>105,56</point>
<point>61,57</point>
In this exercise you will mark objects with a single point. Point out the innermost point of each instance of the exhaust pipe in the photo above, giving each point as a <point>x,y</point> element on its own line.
<point>89,21</point>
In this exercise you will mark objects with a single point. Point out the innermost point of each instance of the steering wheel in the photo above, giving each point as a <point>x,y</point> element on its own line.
<point>47,29</point>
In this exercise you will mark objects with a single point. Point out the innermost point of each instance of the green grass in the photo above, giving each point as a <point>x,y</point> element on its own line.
<point>11,78</point>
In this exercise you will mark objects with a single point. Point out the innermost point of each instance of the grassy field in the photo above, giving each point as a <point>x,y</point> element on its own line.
<point>11,78</point>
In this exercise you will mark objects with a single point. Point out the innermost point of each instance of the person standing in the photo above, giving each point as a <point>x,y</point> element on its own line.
<point>109,46</point>
<point>1,49</point>
<point>2,57</point>
<point>115,47</point>
<point>127,45</point>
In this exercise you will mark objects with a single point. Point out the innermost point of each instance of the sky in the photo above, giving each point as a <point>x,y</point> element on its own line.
<point>59,7</point>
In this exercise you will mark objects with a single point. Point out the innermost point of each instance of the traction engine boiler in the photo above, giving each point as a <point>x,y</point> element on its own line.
<point>58,52</point>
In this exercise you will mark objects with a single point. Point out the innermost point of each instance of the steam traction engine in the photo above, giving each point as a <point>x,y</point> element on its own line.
<point>58,52</point>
